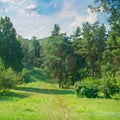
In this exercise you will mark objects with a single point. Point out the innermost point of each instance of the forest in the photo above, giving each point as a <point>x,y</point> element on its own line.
<point>86,62</point>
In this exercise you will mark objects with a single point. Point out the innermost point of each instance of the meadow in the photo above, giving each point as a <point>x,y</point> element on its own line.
<point>42,100</point>
<point>83,49</point>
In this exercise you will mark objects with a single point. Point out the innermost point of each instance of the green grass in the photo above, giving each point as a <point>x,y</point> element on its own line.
<point>42,100</point>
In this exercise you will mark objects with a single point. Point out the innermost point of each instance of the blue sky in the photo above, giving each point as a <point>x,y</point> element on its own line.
<point>37,17</point>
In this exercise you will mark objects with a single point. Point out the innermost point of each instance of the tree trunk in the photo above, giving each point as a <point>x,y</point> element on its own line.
<point>60,79</point>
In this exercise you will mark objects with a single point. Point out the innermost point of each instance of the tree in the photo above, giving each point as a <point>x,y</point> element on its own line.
<point>78,55</point>
<point>25,43</point>
<point>56,56</point>
<point>56,30</point>
<point>31,50</point>
<point>94,38</point>
<point>10,48</point>
<point>110,6</point>
<point>77,33</point>
<point>35,52</point>
<point>111,54</point>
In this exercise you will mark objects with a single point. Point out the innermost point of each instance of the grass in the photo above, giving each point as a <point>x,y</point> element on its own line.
<point>42,100</point>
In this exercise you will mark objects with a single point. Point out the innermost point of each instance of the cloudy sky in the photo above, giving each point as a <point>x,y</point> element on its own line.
<point>37,17</point>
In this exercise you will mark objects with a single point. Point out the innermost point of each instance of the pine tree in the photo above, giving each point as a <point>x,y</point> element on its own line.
<point>10,49</point>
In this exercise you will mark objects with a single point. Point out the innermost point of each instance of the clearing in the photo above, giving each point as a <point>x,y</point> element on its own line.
<point>41,100</point>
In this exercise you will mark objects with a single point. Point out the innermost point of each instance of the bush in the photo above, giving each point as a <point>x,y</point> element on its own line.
<point>25,76</point>
<point>87,88</point>
<point>7,79</point>
<point>109,86</point>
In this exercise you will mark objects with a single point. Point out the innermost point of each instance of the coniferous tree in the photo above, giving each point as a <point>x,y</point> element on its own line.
<point>78,55</point>
<point>111,55</point>
<point>94,38</point>
<point>10,48</point>
<point>56,56</point>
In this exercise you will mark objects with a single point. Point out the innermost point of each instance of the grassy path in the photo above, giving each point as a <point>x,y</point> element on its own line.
<point>61,105</point>
<point>54,93</point>
<point>45,101</point>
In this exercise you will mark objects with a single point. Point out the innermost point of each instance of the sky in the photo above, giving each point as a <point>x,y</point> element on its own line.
<point>37,17</point>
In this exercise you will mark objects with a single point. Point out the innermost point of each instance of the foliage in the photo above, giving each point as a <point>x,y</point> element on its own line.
<point>88,52</point>
<point>29,75</point>
<point>112,7</point>
<point>94,37</point>
<point>31,50</point>
<point>87,88</point>
<point>25,77</point>
<point>111,56</point>
<point>57,56</point>
<point>90,87</point>
<point>78,56</point>
<point>109,86</point>
<point>10,49</point>
<point>56,30</point>
<point>36,52</point>
<point>8,78</point>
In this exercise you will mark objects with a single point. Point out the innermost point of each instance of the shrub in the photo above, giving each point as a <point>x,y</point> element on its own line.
<point>109,86</point>
<point>7,79</point>
<point>25,76</point>
<point>87,88</point>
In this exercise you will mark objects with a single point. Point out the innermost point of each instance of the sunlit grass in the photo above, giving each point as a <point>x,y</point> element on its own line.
<point>45,101</point>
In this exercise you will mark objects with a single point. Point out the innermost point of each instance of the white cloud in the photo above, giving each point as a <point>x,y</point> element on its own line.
<point>29,23</point>
<point>66,11</point>
<point>73,18</point>
<point>13,1</point>
<point>4,1</point>
<point>31,7</point>
<point>80,19</point>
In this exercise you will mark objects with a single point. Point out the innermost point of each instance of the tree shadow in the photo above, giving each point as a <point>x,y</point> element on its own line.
<point>12,96</point>
<point>46,91</point>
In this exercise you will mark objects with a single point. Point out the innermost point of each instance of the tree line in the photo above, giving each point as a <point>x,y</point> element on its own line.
<point>90,52</point>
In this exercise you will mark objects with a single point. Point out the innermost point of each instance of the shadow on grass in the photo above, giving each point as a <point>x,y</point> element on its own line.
<point>11,96</point>
<point>46,91</point>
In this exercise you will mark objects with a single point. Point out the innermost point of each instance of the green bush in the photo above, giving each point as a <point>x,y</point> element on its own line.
<point>7,79</point>
<point>25,76</point>
<point>87,88</point>
<point>109,86</point>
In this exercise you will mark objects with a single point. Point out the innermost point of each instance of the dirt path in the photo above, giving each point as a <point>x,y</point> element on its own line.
<point>61,104</point>
<point>56,93</point>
